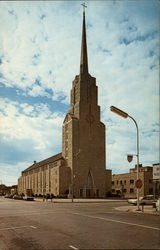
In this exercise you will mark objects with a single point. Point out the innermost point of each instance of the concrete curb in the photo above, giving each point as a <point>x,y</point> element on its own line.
<point>147,210</point>
<point>77,200</point>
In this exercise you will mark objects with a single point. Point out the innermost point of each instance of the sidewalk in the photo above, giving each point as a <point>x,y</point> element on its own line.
<point>58,200</point>
<point>129,208</point>
<point>146,210</point>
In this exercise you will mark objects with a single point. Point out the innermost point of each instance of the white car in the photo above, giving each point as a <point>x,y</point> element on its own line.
<point>132,201</point>
<point>146,200</point>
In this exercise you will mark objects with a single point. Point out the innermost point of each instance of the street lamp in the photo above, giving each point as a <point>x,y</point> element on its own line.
<point>125,115</point>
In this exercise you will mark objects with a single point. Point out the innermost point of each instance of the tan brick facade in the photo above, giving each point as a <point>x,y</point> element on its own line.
<point>84,139</point>
<point>48,176</point>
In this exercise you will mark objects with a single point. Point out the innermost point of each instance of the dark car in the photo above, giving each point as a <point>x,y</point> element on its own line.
<point>28,198</point>
<point>17,197</point>
<point>47,196</point>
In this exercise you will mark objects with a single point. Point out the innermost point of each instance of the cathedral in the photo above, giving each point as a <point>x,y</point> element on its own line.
<point>80,170</point>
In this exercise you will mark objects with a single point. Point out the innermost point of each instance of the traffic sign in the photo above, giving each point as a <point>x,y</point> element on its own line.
<point>129,158</point>
<point>138,183</point>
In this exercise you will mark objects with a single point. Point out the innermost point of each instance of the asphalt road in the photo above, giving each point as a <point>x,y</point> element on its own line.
<point>29,225</point>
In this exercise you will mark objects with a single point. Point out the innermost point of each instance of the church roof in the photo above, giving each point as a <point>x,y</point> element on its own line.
<point>44,162</point>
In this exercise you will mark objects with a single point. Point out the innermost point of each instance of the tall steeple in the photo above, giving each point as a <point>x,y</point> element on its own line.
<point>83,137</point>
<point>84,60</point>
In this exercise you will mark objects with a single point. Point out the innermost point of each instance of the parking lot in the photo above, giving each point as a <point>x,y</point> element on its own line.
<point>80,225</point>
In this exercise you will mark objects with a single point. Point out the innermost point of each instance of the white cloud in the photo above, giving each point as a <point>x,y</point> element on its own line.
<point>41,127</point>
<point>10,172</point>
<point>27,109</point>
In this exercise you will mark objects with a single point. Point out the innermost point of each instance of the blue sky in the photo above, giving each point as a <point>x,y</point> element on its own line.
<point>40,46</point>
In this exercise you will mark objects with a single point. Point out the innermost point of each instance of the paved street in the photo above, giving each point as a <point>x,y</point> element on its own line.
<point>45,225</point>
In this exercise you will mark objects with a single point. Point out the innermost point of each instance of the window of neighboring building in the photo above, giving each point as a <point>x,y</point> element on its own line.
<point>113,190</point>
<point>125,182</point>
<point>121,182</point>
<point>131,181</point>
<point>131,190</point>
<point>124,190</point>
<point>112,182</point>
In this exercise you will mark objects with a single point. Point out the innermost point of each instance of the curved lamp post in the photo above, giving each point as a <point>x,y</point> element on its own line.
<point>125,115</point>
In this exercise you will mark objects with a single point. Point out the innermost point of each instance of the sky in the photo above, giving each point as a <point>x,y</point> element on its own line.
<point>40,45</point>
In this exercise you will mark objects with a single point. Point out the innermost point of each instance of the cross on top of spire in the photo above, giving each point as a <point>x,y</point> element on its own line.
<point>84,6</point>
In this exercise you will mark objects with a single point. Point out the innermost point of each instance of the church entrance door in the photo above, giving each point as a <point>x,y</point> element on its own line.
<point>88,193</point>
<point>89,186</point>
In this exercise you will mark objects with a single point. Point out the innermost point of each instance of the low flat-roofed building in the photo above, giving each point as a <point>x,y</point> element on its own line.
<point>8,189</point>
<point>123,185</point>
<point>156,179</point>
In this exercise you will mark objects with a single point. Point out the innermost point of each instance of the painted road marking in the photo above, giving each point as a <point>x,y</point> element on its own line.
<point>33,227</point>
<point>12,228</point>
<point>49,212</point>
<point>34,213</point>
<point>118,221</point>
<point>73,247</point>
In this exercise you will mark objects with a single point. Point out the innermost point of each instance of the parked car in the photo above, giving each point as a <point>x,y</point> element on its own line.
<point>10,196</point>
<point>158,205</point>
<point>47,196</point>
<point>6,196</point>
<point>17,197</point>
<point>28,198</point>
<point>53,196</point>
<point>146,200</point>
